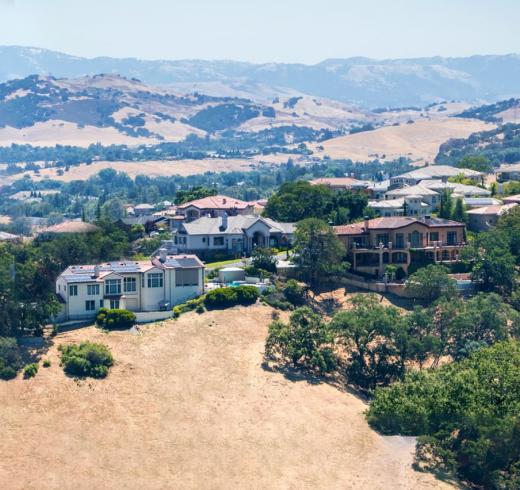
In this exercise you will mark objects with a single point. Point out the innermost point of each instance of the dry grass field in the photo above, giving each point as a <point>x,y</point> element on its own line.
<point>187,405</point>
<point>418,141</point>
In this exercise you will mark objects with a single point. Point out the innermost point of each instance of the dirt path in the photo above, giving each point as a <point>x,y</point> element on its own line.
<point>188,405</point>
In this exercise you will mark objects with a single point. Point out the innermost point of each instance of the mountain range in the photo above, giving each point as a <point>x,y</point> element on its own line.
<point>362,81</point>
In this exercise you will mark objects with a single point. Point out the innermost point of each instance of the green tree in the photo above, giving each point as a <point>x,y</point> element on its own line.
<point>113,210</point>
<point>459,211</point>
<point>305,341</point>
<point>446,204</point>
<point>317,250</point>
<point>476,162</point>
<point>430,283</point>
<point>264,258</point>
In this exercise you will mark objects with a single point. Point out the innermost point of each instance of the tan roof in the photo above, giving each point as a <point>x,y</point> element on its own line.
<point>511,199</point>
<point>493,210</point>
<point>392,223</point>
<point>412,190</point>
<point>71,227</point>
<point>216,202</point>
<point>338,182</point>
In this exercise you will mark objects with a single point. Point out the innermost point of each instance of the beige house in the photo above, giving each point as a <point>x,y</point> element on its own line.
<point>482,219</point>
<point>215,206</point>
<point>374,244</point>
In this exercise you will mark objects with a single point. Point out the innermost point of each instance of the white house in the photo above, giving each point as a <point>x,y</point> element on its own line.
<point>233,235</point>
<point>150,285</point>
<point>437,172</point>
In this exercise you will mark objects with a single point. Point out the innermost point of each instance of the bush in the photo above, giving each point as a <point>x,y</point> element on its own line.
<point>115,319</point>
<point>30,370</point>
<point>294,292</point>
<point>226,297</point>
<point>46,363</point>
<point>10,359</point>
<point>86,359</point>
<point>192,304</point>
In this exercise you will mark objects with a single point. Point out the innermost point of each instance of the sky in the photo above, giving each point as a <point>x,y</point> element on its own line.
<point>299,31</point>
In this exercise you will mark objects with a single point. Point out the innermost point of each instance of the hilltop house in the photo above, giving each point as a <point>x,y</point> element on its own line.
<point>437,172</point>
<point>150,285</point>
<point>230,235</point>
<point>374,244</point>
<point>215,206</point>
<point>507,172</point>
<point>484,218</point>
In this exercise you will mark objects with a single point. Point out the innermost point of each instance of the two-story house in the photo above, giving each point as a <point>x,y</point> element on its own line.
<point>150,285</point>
<point>374,244</point>
<point>214,206</point>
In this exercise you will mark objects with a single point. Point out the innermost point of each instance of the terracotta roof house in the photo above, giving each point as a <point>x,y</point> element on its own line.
<point>214,206</point>
<point>374,244</point>
<point>345,183</point>
<point>482,219</point>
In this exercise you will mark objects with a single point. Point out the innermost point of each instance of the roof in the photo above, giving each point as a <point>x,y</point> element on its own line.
<point>235,225</point>
<point>509,167</point>
<point>347,182</point>
<point>466,190</point>
<point>496,210</point>
<point>438,171</point>
<point>86,273</point>
<point>388,204</point>
<point>4,236</point>
<point>71,227</point>
<point>144,206</point>
<point>216,202</point>
<point>510,199</point>
<point>392,223</point>
<point>141,220</point>
<point>481,201</point>
<point>412,190</point>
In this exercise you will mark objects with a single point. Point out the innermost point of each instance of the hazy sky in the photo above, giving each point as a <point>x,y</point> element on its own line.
<point>305,31</point>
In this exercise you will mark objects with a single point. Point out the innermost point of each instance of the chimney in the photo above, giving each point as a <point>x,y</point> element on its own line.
<point>96,270</point>
<point>367,223</point>
<point>224,224</point>
<point>162,254</point>
<point>224,201</point>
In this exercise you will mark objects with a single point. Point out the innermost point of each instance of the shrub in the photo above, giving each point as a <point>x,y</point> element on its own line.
<point>225,297</point>
<point>115,319</point>
<point>294,293</point>
<point>193,304</point>
<point>10,359</point>
<point>30,370</point>
<point>46,363</point>
<point>86,359</point>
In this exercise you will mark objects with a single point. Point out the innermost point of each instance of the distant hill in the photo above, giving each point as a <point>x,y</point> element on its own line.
<point>366,82</point>
<point>506,111</point>
<point>110,109</point>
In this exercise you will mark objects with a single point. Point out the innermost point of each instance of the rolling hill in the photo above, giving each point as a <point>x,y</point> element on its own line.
<point>363,81</point>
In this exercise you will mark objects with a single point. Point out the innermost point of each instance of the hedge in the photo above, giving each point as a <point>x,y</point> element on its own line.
<point>115,319</point>
<point>226,297</point>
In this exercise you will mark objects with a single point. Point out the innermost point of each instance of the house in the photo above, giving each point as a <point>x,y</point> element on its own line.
<point>215,206</point>
<point>426,200</point>
<point>149,285</point>
<point>230,235</point>
<point>507,172</point>
<point>437,172</point>
<point>341,183</point>
<point>482,219</point>
<point>377,190</point>
<point>410,205</point>
<point>150,222</point>
<point>456,190</point>
<point>143,209</point>
<point>511,199</point>
<point>479,202</point>
<point>374,244</point>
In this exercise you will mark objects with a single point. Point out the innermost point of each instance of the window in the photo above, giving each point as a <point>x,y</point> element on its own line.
<point>399,240</point>
<point>452,237</point>
<point>434,236</point>
<point>101,303</point>
<point>73,290</point>
<point>186,277</point>
<point>130,284</point>
<point>93,289</point>
<point>218,241</point>
<point>114,304</point>
<point>113,286</point>
<point>90,305</point>
<point>382,239</point>
<point>155,280</point>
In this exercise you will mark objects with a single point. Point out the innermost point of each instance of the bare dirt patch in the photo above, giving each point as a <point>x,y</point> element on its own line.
<point>418,141</point>
<point>188,405</point>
